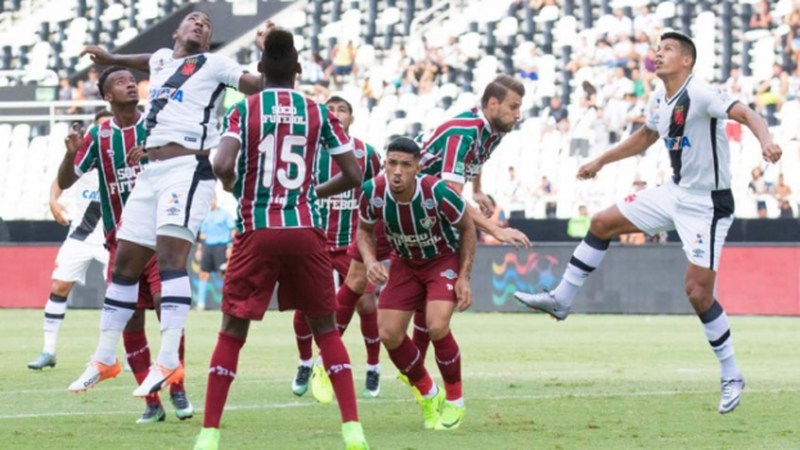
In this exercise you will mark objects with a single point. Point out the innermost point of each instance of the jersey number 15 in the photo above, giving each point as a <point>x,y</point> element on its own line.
<point>267,147</point>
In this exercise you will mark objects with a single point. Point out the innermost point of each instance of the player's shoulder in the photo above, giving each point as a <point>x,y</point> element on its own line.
<point>374,184</point>
<point>699,88</point>
<point>431,182</point>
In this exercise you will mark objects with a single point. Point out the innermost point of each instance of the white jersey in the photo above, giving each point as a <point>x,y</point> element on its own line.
<point>84,210</point>
<point>692,126</point>
<point>184,94</point>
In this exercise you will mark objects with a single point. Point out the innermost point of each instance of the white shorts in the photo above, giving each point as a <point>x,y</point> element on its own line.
<point>171,198</point>
<point>701,218</point>
<point>74,258</point>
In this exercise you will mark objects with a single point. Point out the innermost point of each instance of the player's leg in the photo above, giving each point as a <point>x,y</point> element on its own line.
<point>368,314</point>
<point>54,312</point>
<point>137,351</point>
<point>355,283</point>
<point>304,339</point>
<point>420,334</point>
<point>448,358</point>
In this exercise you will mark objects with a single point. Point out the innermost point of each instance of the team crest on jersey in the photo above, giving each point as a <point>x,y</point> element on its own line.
<point>175,199</point>
<point>428,203</point>
<point>679,116</point>
<point>189,66</point>
<point>105,133</point>
<point>428,222</point>
<point>359,153</point>
<point>159,65</point>
<point>630,199</point>
<point>377,202</point>
<point>450,274</point>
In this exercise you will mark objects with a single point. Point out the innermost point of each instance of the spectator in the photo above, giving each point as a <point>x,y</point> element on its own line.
<point>513,195</point>
<point>90,89</point>
<point>214,241</point>
<point>65,93</point>
<point>498,218</point>
<point>313,75</point>
<point>644,22</point>
<point>793,39</point>
<point>556,110</point>
<point>528,64</point>
<point>343,57</point>
<point>546,193</point>
<point>578,226</point>
<point>761,18</point>
<point>637,238</point>
<point>782,190</point>
<point>758,189</point>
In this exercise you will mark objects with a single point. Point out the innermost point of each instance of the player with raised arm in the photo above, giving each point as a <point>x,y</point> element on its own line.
<point>171,196</point>
<point>434,239</point>
<point>689,117</point>
<point>340,219</point>
<point>266,159</point>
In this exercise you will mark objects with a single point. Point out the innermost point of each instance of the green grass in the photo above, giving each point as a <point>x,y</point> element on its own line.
<point>613,382</point>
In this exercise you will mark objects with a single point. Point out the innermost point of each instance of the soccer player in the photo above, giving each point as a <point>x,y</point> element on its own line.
<point>339,219</point>
<point>434,239</point>
<point>83,244</point>
<point>266,159</point>
<point>113,148</point>
<point>171,196</point>
<point>689,117</point>
<point>216,234</point>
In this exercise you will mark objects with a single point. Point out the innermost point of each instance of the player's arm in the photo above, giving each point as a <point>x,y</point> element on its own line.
<point>635,144</point>
<point>749,118</point>
<point>467,242</point>
<point>56,208</point>
<point>103,57</point>
<point>66,170</point>
<point>349,178</point>
<point>505,235</point>
<point>225,161</point>
<point>365,237</point>
<point>480,198</point>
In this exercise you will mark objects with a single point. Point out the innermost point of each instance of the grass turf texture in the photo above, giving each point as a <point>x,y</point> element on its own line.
<point>590,382</point>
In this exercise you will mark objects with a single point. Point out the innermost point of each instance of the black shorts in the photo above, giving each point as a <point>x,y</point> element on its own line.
<point>213,257</point>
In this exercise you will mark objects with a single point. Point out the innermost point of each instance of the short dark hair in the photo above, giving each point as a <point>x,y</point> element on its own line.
<point>404,145</point>
<point>101,82</point>
<point>101,114</point>
<point>337,99</point>
<point>685,41</point>
<point>279,59</point>
<point>499,87</point>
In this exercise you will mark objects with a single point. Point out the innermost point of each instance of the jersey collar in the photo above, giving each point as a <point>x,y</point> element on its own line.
<point>417,190</point>
<point>680,91</point>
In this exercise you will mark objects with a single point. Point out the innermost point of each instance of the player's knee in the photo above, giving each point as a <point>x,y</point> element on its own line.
<point>601,226</point>
<point>356,280</point>
<point>366,304</point>
<point>60,288</point>
<point>136,323</point>
<point>698,293</point>
<point>391,337</point>
<point>437,329</point>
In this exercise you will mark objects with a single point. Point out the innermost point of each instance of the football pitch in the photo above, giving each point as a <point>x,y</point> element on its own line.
<point>600,382</point>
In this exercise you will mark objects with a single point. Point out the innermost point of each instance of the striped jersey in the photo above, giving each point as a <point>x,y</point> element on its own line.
<point>106,148</point>
<point>422,228</point>
<point>692,126</point>
<point>280,131</point>
<point>456,150</point>
<point>184,95</point>
<point>339,213</point>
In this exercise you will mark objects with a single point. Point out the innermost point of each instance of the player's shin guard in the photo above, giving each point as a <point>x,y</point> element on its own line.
<point>372,340</point>
<point>718,333</point>
<point>221,372</point>
<point>54,311</point>
<point>118,308</point>
<point>346,300</point>
<point>448,358</point>
<point>407,357</point>
<point>137,352</point>
<point>420,335</point>
<point>176,299</point>
<point>303,336</point>
<point>337,364</point>
<point>585,259</point>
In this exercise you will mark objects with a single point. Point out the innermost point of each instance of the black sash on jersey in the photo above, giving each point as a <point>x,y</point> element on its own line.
<point>88,222</point>
<point>677,127</point>
<point>189,67</point>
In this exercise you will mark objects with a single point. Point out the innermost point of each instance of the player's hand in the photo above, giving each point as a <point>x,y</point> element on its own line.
<point>589,170</point>
<point>99,55</point>
<point>74,140</point>
<point>463,294</point>
<point>514,237</point>
<point>136,155</point>
<point>376,273</point>
<point>59,213</point>
<point>262,32</point>
<point>485,204</point>
<point>772,152</point>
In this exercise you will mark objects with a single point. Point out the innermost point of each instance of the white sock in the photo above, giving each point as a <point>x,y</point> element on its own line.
<point>434,390</point>
<point>118,308</point>
<point>718,332</point>
<point>374,368</point>
<point>585,259</point>
<point>306,363</point>
<point>458,402</point>
<point>176,300</point>
<point>54,311</point>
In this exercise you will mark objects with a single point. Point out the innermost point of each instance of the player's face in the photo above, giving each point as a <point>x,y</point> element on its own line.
<point>670,59</point>
<point>342,112</point>
<point>401,171</point>
<point>120,88</point>
<point>194,31</point>
<point>506,113</point>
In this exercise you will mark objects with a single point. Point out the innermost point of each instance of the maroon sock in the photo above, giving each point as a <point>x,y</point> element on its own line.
<point>408,360</point>
<point>346,300</point>
<point>420,336</point>
<point>337,364</point>
<point>303,336</point>
<point>221,372</point>
<point>369,330</point>
<point>448,357</point>
<point>178,387</point>
<point>138,354</point>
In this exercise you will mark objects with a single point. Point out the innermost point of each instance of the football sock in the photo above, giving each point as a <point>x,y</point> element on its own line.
<point>176,299</point>
<point>118,308</point>
<point>54,311</point>
<point>448,357</point>
<point>221,372</point>
<point>420,335</point>
<point>372,340</point>
<point>407,357</point>
<point>303,336</point>
<point>346,300</point>
<point>137,351</point>
<point>585,259</point>
<point>337,365</point>
<point>718,332</point>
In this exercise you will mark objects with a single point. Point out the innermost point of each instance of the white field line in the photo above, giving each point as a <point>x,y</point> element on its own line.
<point>267,406</point>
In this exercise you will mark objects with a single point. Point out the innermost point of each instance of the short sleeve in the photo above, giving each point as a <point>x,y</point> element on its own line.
<point>231,122</point>
<point>454,158</point>
<point>373,163</point>
<point>366,212</point>
<point>226,70</point>
<point>332,136</point>
<point>451,205</point>
<point>719,102</point>
<point>86,158</point>
<point>651,120</point>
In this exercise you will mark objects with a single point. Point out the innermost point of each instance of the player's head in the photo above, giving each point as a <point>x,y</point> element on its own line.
<point>501,102</point>
<point>102,117</point>
<point>194,32</point>
<point>342,109</point>
<point>279,62</point>
<point>402,164</point>
<point>117,85</point>
<point>675,54</point>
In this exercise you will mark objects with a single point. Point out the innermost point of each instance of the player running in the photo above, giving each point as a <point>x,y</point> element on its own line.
<point>434,240</point>
<point>339,215</point>
<point>689,116</point>
<point>172,195</point>
<point>279,131</point>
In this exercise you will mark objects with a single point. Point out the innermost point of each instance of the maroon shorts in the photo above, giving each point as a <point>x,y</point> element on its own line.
<point>294,258</point>
<point>149,280</point>
<point>413,283</point>
<point>340,260</point>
